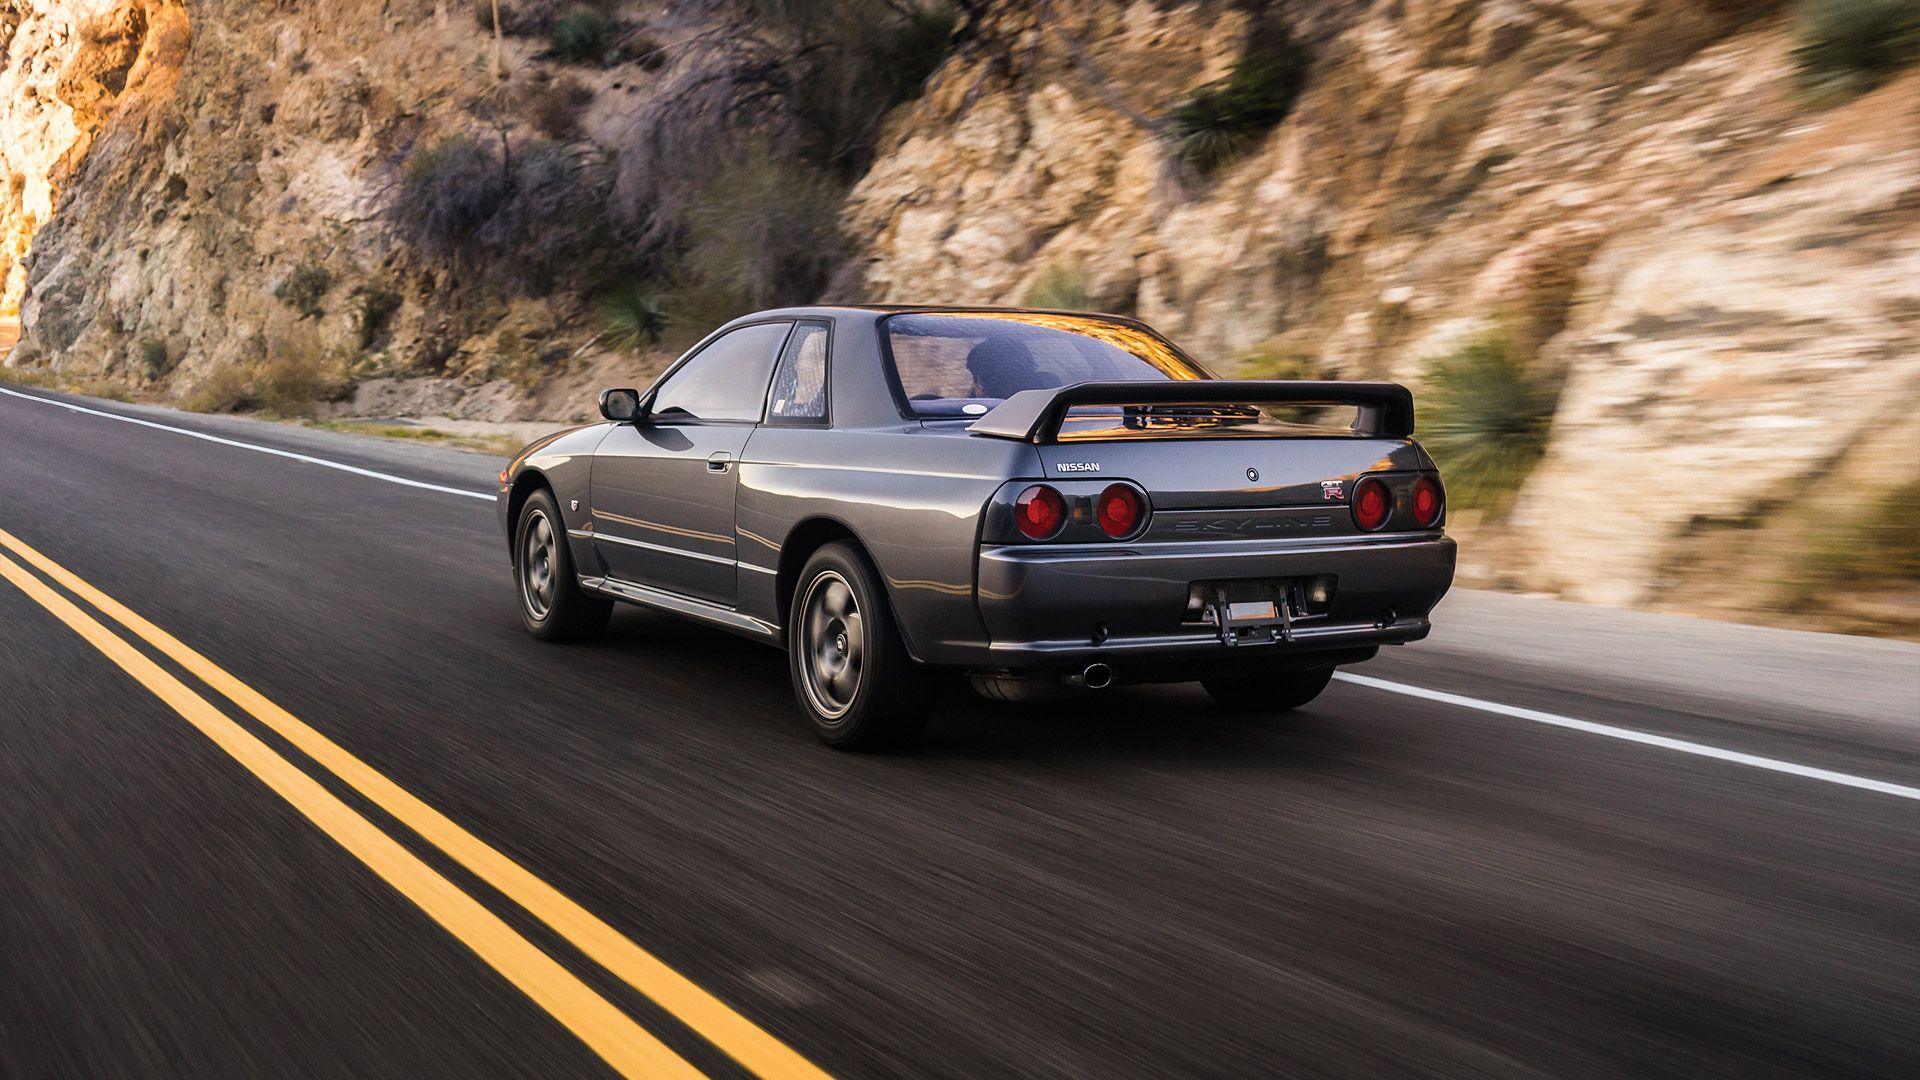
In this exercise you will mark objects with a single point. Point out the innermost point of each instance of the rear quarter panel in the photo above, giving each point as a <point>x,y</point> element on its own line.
<point>912,496</point>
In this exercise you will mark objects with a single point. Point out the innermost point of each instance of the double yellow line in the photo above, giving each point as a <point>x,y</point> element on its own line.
<point>626,1046</point>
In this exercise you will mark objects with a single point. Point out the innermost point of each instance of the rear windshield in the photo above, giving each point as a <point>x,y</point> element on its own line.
<point>962,364</point>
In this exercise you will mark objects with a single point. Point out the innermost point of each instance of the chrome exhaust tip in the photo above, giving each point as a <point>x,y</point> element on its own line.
<point>1093,677</point>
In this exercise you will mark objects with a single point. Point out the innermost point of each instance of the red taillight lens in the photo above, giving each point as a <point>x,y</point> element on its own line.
<point>1120,510</point>
<point>1371,504</point>
<point>1427,501</point>
<point>1040,511</point>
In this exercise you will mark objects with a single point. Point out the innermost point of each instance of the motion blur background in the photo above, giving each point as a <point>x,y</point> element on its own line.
<point>1651,266</point>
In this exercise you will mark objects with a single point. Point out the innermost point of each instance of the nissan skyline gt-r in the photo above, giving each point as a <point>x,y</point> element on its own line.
<point>1048,502</point>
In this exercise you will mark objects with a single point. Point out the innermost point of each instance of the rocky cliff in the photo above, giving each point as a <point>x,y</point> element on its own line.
<point>1708,272</point>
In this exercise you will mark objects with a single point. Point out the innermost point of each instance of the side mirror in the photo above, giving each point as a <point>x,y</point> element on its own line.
<point>620,405</point>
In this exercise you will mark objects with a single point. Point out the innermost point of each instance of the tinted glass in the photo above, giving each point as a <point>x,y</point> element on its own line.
<point>800,383</point>
<point>964,363</point>
<point>727,380</point>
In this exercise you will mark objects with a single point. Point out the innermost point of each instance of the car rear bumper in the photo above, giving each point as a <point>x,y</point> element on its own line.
<point>1057,606</point>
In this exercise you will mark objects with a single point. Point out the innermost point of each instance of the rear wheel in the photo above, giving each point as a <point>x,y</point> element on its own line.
<point>851,673</point>
<point>553,607</point>
<point>1269,693</point>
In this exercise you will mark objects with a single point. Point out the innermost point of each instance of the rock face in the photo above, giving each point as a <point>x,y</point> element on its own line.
<point>178,164</point>
<point>1726,277</point>
<point>1722,275</point>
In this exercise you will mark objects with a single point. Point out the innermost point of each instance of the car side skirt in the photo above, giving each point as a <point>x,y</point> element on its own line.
<point>674,604</point>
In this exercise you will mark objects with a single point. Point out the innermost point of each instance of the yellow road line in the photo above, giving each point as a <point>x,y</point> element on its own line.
<point>623,1044</point>
<point>737,1036</point>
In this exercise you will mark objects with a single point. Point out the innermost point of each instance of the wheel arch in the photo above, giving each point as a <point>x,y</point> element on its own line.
<point>524,485</point>
<point>810,535</point>
<point>805,538</point>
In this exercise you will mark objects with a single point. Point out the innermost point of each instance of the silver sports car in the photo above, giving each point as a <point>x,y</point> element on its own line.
<point>1048,502</point>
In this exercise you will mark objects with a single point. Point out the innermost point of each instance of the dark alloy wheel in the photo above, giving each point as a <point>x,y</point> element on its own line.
<point>553,607</point>
<point>851,673</point>
<point>1270,693</point>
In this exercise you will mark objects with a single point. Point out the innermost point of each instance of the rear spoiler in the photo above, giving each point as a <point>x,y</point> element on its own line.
<point>1385,409</point>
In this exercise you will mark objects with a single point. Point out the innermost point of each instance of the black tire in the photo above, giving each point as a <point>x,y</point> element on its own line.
<point>1274,692</point>
<point>553,607</point>
<point>851,673</point>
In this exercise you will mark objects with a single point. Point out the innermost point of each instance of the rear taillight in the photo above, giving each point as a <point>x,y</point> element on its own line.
<point>1120,511</point>
<point>1040,511</point>
<point>1372,505</point>
<point>1428,501</point>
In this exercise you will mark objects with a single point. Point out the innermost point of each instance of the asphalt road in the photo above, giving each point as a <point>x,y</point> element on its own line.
<point>1133,885</point>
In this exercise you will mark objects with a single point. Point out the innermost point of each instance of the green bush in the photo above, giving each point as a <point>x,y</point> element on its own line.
<point>305,288</point>
<point>631,318</point>
<point>1484,419</point>
<point>153,358</point>
<point>1274,360</point>
<point>582,35</point>
<point>1225,119</point>
<point>1060,288</point>
<point>378,305</point>
<point>1850,46</point>
<point>1879,546</point>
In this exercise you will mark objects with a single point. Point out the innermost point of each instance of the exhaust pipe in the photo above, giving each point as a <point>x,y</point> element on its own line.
<point>1095,676</point>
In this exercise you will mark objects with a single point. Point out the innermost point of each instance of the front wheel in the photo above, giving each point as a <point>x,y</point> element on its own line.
<point>553,607</point>
<point>1269,693</point>
<point>851,673</point>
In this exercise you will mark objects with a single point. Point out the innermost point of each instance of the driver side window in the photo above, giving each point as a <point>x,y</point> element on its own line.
<point>727,380</point>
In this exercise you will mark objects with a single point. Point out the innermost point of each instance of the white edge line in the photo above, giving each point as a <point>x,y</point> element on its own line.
<point>307,458</point>
<point>1629,735</point>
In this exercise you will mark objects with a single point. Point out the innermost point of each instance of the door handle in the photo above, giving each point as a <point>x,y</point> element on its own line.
<point>719,461</point>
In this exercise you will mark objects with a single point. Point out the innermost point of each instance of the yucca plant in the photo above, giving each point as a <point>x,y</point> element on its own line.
<point>1484,419</point>
<point>1224,120</point>
<point>582,35</point>
<point>631,318</point>
<point>1851,46</point>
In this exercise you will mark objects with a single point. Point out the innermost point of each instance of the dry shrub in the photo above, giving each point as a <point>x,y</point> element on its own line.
<point>525,215</point>
<point>296,374</point>
<point>554,107</point>
<point>449,191</point>
<point>224,389</point>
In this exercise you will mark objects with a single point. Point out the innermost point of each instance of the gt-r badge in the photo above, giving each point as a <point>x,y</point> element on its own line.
<point>1078,466</point>
<point>1333,490</point>
<point>1253,475</point>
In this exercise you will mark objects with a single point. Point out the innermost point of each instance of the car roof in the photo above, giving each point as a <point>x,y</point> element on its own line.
<point>877,311</point>
<point>871,397</point>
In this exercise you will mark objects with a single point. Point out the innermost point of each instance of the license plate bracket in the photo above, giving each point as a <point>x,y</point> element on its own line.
<point>1246,612</point>
<point>1254,612</point>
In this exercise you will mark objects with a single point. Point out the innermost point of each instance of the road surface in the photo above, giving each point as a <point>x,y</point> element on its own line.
<point>285,791</point>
